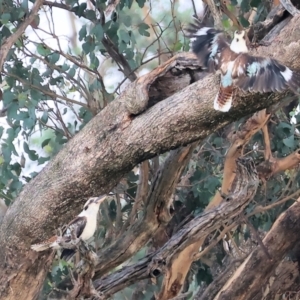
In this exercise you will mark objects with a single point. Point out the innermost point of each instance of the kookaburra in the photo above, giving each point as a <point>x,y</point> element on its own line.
<point>238,69</point>
<point>82,227</point>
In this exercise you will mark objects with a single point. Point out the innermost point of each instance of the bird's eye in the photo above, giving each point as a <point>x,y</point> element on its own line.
<point>85,208</point>
<point>237,40</point>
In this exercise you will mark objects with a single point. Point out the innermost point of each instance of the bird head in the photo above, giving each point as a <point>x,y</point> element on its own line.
<point>238,44</point>
<point>93,203</point>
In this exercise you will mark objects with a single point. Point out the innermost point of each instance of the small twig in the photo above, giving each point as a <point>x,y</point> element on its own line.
<point>194,8</point>
<point>231,16</point>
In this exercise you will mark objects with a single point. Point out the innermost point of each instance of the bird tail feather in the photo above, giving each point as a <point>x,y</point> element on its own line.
<point>50,243</point>
<point>41,247</point>
<point>223,99</point>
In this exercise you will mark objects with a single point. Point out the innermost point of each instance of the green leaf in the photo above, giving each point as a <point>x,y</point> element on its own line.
<point>5,18</point>
<point>65,67</point>
<point>6,153</point>
<point>255,3</point>
<point>42,160</point>
<point>90,14</point>
<point>82,33</point>
<point>45,142</point>
<point>87,47</point>
<point>127,20</point>
<point>245,7</point>
<point>289,141</point>
<point>95,85</point>
<point>124,36</point>
<point>177,46</point>
<point>24,4</point>
<point>5,32</point>
<point>143,29</point>
<point>226,23</point>
<point>43,50</point>
<point>141,3</point>
<point>244,22</point>
<point>98,32</point>
<point>94,61</point>
<point>8,97</point>
<point>54,57</point>
<point>44,117</point>
<point>31,153</point>
<point>35,95</point>
<point>72,72</point>
<point>79,10</point>
<point>1,131</point>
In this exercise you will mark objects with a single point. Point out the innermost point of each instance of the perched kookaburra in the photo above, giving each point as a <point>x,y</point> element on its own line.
<point>238,69</point>
<point>83,227</point>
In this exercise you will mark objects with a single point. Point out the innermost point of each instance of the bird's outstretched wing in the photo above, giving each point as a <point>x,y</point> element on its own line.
<point>207,43</point>
<point>260,74</point>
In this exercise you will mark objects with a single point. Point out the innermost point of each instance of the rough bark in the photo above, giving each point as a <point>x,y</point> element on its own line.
<point>108,147</point>
<point>246,283</point>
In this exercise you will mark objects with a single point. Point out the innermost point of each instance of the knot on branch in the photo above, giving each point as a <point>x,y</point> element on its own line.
<point>136,97</point>
<point>157,267</point>
<point>165,211</point>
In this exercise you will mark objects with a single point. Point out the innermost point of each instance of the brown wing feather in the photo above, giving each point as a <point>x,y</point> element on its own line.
<point>260,74</point>
<point>76,224</point>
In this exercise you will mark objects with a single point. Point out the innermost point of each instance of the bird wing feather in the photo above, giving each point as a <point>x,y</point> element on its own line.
<point>207,43</point>
<point>76,224</point>
<point>260,74</point>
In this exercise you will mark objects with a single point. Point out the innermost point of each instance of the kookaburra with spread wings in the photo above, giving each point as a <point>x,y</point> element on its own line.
<point>238,69</point>
<point>83,227</point>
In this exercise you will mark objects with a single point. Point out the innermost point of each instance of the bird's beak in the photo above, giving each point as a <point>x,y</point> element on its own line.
<point>101,198</point>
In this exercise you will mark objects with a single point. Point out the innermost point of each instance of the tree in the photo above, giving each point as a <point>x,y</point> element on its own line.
<point>169,221</point>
